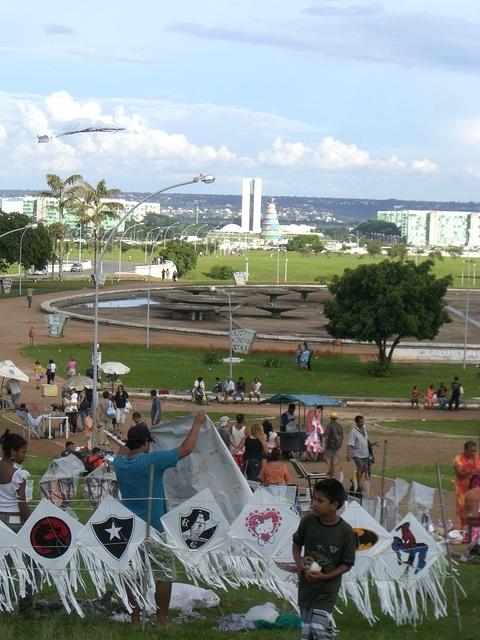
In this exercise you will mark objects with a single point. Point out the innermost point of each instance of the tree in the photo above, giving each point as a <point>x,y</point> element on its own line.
<point>64,192</point>
<point>154,220</point>
<point>386,302</point>
<point>182,254</point>
<point>378,226</point>
<point>398,251</point>
<point>436,254</point>
<point>305,243</point>
<point>373,247</point>
<point>93,208</point>
<point>454,252</point>
<point>36,245</point>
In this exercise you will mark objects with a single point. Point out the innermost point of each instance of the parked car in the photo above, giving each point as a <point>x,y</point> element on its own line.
<point>76,266</point>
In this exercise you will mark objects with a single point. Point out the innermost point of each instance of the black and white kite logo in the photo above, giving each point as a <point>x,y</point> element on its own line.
<point>114,534</point>
<point>50,537</point>
<point>197,528</point>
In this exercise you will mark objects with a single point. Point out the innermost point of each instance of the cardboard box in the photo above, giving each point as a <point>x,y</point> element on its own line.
<point>49,390</point>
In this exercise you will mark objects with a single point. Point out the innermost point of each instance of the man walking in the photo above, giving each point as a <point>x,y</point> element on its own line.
<point>132,466</point>
<point>29,297</point>
<point>455,395</point>
<point>358,450</point>
<point>333,442</point>
<point>156,410</point>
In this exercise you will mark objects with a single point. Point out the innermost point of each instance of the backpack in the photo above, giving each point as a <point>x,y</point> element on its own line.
<point>334,439</point>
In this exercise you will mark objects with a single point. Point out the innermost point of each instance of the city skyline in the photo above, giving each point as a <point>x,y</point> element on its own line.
<point>335,98</point>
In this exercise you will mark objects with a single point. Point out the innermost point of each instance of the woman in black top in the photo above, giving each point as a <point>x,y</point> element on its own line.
<point>120,400</point>
<point>255,451</point>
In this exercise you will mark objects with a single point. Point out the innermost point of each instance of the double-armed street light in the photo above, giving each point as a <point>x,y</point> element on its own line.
<point>228,295</point>
<point>166,232</point>
<point>32,225</point>
<point>206,179</point>
<point>120,246</point>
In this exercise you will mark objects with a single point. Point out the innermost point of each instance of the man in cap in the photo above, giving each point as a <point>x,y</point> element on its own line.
<point>132,466</point>
<point>333,440</point>
<point>225,430</point>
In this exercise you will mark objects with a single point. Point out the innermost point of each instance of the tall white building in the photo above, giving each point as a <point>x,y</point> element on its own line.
<point>436,228</point>
<point>251,205</point>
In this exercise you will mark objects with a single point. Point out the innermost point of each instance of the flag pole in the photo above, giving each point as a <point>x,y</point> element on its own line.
<point>449,555</point>
<point>382,483</point>
<point>147,539</point>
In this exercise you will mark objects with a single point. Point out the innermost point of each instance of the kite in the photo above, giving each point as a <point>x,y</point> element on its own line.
<point>59,482</point>
<point>101,483</point>
<point>49,537</point>
<point>209,465</point>
<point>45,138</point>
<point>7,544</point>
<point>196,532</point>
<point>114,549</point>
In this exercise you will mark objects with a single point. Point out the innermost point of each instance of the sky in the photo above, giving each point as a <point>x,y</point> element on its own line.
<point>333,98</point>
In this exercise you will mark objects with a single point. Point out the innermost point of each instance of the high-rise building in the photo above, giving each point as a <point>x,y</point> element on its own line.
<point>436,228</point>
<point>251,205</point>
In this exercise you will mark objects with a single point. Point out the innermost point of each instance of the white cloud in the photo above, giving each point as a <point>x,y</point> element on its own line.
<point>424,166</point>
<point>334,155</point>
<point>166,139</point>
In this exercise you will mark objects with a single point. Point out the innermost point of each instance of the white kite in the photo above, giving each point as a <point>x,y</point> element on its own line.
<point>210,465</point>
<point>114,548</point>
<point>197,533</point>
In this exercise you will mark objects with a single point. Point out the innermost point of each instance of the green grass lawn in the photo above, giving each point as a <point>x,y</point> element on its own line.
<point>461,427</point>
<point>339,375</point>
<point>301,268</point>
<point>425,474</point>
<point>350,624</point>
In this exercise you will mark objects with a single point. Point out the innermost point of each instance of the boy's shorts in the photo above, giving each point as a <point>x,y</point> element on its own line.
<point>316,624</point>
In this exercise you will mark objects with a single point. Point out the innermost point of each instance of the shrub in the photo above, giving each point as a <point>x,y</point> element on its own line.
<point>321,279</point>
<point>212,357</point>
<point>272,363</point>
<point>221,272</point>
<point>379,369</point>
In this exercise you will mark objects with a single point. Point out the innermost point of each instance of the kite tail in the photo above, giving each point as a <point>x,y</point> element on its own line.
<point>358,592</point>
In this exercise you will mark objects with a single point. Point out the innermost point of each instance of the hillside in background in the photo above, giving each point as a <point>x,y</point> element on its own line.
<point>291,207</point>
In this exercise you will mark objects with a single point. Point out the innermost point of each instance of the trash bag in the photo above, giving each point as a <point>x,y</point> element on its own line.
<point>267,612</point>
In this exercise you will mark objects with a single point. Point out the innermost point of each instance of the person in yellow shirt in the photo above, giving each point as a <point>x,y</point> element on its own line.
<point>39,372</point>
<point>29,296</point>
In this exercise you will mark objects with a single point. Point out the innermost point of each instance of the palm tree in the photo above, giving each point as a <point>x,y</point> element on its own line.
<point>64,193</point>
<point>94,206</point>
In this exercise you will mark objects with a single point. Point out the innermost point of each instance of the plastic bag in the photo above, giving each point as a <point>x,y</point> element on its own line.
<point>187,597</point>
<point>267,612</point>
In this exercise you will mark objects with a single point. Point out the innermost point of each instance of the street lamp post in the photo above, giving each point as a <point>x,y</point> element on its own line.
<point>33,225</point>
<point>187,227</point>
<point>207,179</point>
<point>146,241</point>
<point>165,234</point>
<point>196,232</point>
<point>286,268</point>
<point>147,339</point>
<point>467,312</point>
<point>228,295</point>
<point>120,247</point>
<point>278,263</point>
